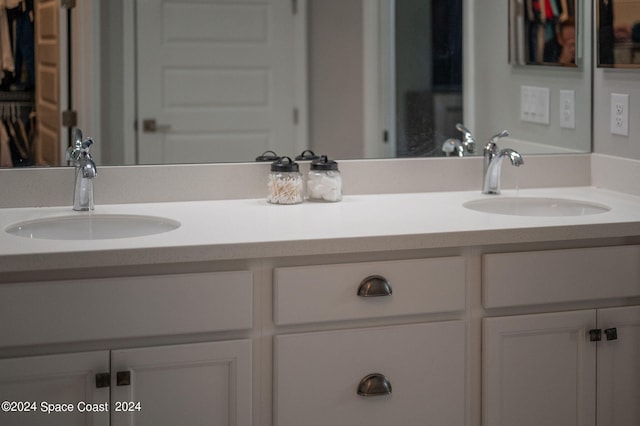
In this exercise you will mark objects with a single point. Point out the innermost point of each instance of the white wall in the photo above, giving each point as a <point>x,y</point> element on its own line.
<point>335,72</point>
<point>112,145</point>
<point>607,81</point>
<point>495,84</point>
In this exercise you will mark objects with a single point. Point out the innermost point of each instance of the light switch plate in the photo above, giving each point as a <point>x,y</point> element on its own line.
<point>534,104</point>
<point>568,109</point>
<point>620,114</point>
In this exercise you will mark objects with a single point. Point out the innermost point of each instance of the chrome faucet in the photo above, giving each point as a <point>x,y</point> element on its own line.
<point>468,141</point>
<point>493,163</point>
<point>467,145</point>
<point>78,155</point>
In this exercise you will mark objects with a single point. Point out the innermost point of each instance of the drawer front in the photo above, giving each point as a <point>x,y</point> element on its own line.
<point>318,375</point>
<point>67,311</point>
<point>330,292</point>
<point>555,276</point>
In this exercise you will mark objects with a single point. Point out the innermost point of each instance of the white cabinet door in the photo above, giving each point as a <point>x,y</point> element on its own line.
<point>619,368</point>
<point>317,376</point>
<point>539,370</point>
<point>54,383</point>
<point>194,384</point>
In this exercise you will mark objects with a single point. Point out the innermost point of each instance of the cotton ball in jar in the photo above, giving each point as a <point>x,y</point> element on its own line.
<point>324,182</point>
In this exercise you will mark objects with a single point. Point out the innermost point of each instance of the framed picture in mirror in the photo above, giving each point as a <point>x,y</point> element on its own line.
<point>543,32</point>
<point>618,33</point>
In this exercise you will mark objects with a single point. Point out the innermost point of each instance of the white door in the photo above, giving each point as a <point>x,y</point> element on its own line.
<point>194,384</point>
<point>619,367</point>
<point>41,387</point>
<point>539,370</point>
<point>216,78</point>
<point>48,63</point>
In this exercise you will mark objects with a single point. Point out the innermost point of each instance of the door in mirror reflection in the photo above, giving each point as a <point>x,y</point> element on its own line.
<point>618,32</point>
<point>215,80</point>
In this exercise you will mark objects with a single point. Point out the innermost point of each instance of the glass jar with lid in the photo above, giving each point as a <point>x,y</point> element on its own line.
<point>285,184</point>
<point>324,182</point>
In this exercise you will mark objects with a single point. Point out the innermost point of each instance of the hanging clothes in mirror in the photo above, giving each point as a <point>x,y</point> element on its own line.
<point>17,45</point>
<point>17,134</point>
<point>17,83</point>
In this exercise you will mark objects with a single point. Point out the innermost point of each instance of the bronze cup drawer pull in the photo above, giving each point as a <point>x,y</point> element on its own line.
<point>374,384</point>
<point>374,286</point>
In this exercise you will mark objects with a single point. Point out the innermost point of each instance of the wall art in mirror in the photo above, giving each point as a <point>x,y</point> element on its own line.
<point>543,32</point>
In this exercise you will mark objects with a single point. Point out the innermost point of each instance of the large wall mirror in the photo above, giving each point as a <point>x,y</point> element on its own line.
<point>618,33</point>
<point>192,81</point>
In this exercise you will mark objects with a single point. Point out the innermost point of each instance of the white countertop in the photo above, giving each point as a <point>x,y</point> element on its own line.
<point>252,228</point>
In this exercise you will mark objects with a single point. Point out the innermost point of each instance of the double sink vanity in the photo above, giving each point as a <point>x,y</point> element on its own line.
<point>442,306</point>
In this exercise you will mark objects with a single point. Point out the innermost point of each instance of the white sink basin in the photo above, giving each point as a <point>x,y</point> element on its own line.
<point>533,206</point>
<point>92,227</point>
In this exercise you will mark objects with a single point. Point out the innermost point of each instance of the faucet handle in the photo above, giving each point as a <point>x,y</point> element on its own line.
<point>491,148</point>
<point>86,144</point>
<point>77,137</point>
<point>463,129</point>
<point>495,137</point>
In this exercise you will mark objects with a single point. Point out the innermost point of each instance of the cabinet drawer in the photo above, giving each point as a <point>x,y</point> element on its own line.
<point>67,311</point>
<point>318,374</point>
<point>554,276</point>
<point>330,292</point>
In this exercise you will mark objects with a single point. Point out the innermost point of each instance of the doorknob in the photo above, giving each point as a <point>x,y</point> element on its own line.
<point>150,125</point>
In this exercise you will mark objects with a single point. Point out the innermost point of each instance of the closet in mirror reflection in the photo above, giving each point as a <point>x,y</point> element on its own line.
<point>32,85</point>
<point>618,24</point>
<point>17,84</point>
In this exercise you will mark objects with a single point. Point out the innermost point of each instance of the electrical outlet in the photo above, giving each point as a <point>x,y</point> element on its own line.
<point>620,114</point>
<point>568,109</point>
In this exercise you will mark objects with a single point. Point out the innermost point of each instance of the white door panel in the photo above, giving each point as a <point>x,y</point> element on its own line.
<point>618,368</point>
<point>192,384</point>
<point>55,382</point>
<point>218,78</point>
<point>539,370</point>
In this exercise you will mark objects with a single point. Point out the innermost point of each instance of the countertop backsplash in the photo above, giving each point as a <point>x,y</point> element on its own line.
<point>44,187</point>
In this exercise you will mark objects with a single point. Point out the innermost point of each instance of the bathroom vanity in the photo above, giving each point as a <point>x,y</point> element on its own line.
<point>381,309</point>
